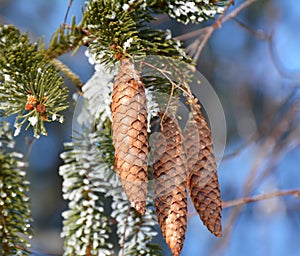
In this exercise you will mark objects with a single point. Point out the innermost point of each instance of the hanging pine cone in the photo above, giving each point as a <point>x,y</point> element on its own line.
<point>130,138</point>
<point>170,184</point>
<point>202,178</point>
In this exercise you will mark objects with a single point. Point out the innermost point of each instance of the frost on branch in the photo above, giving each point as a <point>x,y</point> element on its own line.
<point>88,179</point>
<point>97,93</point>
<point>194,11</point>
<point>135,231</point>
<point>15,213</point>
<point>86,227</point>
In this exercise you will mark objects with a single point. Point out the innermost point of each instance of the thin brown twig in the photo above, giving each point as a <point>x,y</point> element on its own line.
<point>237,10</point>
<point>164,73</point>
<point>246,200</point>
<point>173,86</point>
<point>192,34</point>
<point>203,40</point>
<point>260,34</point>
<point>168,106</point>
<point>68,72</point>
<point>266,151</point>
<point>269,37</point>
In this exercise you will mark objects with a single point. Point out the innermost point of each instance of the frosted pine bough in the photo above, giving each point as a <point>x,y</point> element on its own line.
<point>194,11</point>
<point>33,101</point>
<point>101,84</point>
<point>86,227</point>
<point>14,201</point>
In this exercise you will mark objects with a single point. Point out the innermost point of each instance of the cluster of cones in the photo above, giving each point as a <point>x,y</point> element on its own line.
<point>181,160</point>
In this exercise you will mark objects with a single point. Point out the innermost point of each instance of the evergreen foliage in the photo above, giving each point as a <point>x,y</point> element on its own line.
<point>194,11</point>
<point>117,29</point>
<point>88,180</point>
<point>65,39</point>
<point>31,90</point>
<point>135,231</point>
<point>30,85</point>
<point>15,214</point>
<point>86,226</point>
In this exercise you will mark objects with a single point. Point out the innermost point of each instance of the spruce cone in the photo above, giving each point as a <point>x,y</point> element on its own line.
<point>202,178</point>
<point>130,138</point>
<point>170,185</point>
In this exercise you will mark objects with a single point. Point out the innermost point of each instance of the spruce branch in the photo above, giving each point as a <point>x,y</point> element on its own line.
<point>66,39</point>
<point>118,30</point>
<point>30,87</point>
<point>110,27</point>
<point>195,11</point>
<point>88,170</point>
<point>68,72</point>
<point>86,226</point>
<point>15,214</point>
<point>135,231</point>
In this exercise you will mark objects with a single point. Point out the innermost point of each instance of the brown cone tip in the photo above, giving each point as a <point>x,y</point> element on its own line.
<point>130,137</point>
<point>202,178</point>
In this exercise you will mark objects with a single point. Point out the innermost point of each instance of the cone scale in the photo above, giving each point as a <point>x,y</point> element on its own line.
<point>130,138</point>
<point>170,184</point>
<point>202,179</point>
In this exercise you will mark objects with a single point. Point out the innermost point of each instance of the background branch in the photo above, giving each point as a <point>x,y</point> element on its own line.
<point>245,200</point>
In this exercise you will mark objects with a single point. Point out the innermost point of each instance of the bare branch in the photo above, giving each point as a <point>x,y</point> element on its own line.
<point>245,200</point>
<point>269,37</point>
<point>268,155</point>
<point>294,75</point>
<point>260,34</point>
<point>237,10</point>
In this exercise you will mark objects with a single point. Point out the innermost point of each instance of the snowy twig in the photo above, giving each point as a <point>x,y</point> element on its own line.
<point>205,33</point>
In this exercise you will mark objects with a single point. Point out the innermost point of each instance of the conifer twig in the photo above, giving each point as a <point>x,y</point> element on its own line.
<point>68,72</point>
